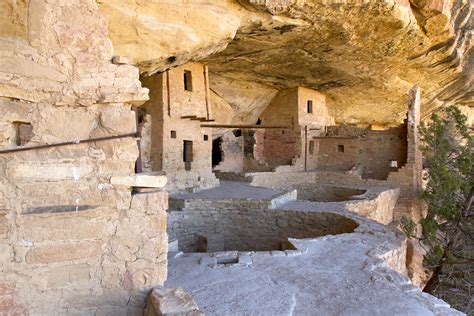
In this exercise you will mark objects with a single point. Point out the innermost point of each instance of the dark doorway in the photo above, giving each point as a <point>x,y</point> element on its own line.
<point>216,151</point>
<point>187,154</point>
<point>188,80</point>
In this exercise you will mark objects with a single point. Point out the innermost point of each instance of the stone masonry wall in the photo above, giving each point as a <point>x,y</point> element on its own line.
<point>96,260</point>
<point>232,148</point>
<point>304,114</point>
<point>249,230</point>
<point>377,203</point>
<point>175,114</point>
<point>374,150</point>
<point>279,146</point>
<point>72,242</point>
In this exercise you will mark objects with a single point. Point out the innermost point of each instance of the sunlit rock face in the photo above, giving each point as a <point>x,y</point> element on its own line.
<point>158,35</point>
<point>364,55</point>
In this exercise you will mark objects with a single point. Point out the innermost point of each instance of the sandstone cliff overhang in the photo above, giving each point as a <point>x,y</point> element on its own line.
<point>364,55</point>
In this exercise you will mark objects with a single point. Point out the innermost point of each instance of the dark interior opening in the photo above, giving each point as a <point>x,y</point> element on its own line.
<point>310,106</point>
<point>311,147</point>
<point>187,154</point>
<point>340,148</point>
<point>23,133</point>
<point>216,151</point>
<point>249,143</point>
<point>237,132</point>
<point>188,81</point>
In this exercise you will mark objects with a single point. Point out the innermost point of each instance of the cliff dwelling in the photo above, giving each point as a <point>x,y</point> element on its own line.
<point>234,157</point>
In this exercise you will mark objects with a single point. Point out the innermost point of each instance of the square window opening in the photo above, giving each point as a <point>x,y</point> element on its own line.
<point>206,138</point>
<point>173,134</point>
<point>340,148</point>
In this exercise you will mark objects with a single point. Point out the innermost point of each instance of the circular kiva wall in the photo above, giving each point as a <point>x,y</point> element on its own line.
<point>326,193</point>
<point>244,230</point>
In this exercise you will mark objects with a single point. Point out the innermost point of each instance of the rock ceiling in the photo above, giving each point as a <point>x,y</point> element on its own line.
<point>363,54</point>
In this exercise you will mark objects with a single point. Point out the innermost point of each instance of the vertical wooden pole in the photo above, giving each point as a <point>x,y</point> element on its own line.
<point>305,147</point>
<point>206,86</point>
<point>138,163</point>
<point>168,93</point>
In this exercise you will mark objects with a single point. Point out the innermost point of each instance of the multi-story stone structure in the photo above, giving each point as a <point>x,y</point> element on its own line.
<point>84,147</point>
<point>179,146</point>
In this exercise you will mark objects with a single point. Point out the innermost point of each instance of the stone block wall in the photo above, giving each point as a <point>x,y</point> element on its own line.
<point>290,108</point>
<point>380,209</point>
<point>232,148</point>
<point>373,150</point>
<point>282,110</point>
<point>86,261</point>
<point>320,115</point>
<point>304,114</point>
<point>377,203</point>
<point>245,229</point>
<point>72,242</point>
<point>278,147</point>
<point>176,115</point>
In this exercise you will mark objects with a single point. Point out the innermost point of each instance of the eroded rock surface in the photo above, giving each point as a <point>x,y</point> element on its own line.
<point>364,55</point>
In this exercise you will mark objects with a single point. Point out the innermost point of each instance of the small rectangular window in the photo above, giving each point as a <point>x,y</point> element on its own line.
<point>173,134</point>
<point>187,154</point>
<point>311,147</point>
<point>188,81</point>
<point>24,133</point>
<point>206,138</point>
<point>310,106</point>
<point>340,148</point>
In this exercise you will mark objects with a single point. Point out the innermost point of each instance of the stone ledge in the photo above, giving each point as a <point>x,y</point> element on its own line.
<point>120,60</point>
<point>141,180</point>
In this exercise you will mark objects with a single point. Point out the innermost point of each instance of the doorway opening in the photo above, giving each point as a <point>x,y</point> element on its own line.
<point>217,155</point>
<point>187,154</point>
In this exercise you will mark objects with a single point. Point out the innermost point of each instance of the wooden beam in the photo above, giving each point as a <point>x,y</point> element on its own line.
<point>335,137</point>
<point>242,126</point>
<point>197,118</point>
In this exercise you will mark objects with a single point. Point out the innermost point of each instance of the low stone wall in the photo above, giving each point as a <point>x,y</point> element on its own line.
<point>311,192</point>
<point>278,179</point>
<point>377,203</point>
<point>230,204</point>
<point>96,260</point>
<point>245,229</point>
<point>380,208</point>
<point>333,178</point>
